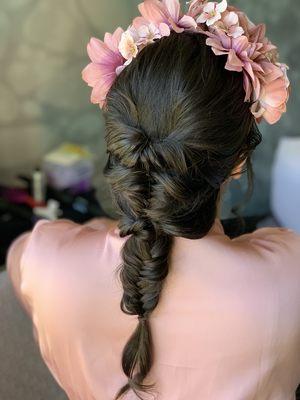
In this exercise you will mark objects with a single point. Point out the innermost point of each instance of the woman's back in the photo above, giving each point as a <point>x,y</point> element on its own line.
<point>227,325</point>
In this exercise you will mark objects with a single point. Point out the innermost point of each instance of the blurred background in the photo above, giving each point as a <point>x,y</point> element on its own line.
<point>44,103</point>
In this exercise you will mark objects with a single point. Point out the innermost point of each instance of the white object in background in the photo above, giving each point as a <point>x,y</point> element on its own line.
<point>38,186</point>
<point>285,183</point>
<point>52,211</point>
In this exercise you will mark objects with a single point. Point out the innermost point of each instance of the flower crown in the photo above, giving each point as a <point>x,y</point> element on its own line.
<point>229,32</point>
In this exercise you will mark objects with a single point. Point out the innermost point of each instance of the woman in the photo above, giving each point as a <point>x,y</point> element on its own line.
<point>162,303</point>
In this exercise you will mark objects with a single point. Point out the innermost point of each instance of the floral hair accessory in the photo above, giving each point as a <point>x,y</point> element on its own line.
<point>229,33</point>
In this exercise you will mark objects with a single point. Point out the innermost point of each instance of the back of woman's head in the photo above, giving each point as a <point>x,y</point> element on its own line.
<point>176,127</point>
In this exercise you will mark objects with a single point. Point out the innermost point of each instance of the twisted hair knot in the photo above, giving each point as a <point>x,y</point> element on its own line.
<point>141,228</point>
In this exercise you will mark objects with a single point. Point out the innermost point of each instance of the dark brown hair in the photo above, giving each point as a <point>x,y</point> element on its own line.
<point>176,126</point>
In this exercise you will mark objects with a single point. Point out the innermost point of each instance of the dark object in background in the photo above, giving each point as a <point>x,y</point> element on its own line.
<point>298,393</point>
<point>16,219</point>
<point>234,227</point>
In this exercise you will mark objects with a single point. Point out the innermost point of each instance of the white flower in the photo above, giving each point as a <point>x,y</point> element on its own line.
<point>212,12</point>
<point>147,33</point>
<point>127,46</point>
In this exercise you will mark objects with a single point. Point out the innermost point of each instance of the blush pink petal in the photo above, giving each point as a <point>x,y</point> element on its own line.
<point>240,44</point>
<point>157,12</point>
<point>216,45</point>
<point>275,93</point>
<point>91,74</point>
<point>153,11</point>
<point>249,70</point>
<point>100,91</point>
<point>226,41</point>
<point>173,7</point>
<point>247,87</point>
<point>187,22</point>
<point>113,40</point>
<point>97,50</point>
<point>139,21</point>
<point>164,29</point>
<point>273,115</point>
<point>233,62</point>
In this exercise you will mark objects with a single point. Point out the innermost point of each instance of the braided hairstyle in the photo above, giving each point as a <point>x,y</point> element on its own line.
<point>176,127</point>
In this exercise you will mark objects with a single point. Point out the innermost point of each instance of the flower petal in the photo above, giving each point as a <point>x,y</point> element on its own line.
<point>275,93</point>
<point>231,19</point>
<point>98,50</point>
<point>112,40</point>
<point>221,7</point>
<point>127,45</point>
<point>247,87</point>
<point>233,62</point>
<point>202,18</point>
<point>139,21</point>
<point>272,115</point>
<point>100,91</point>
<point>237,32</point>
<point>240,44</point>
<point>215,43</point>
<point>214,19</point>
<point>120,69</point>
<point>209,7</point>
<point>91,74</point>
<point>187,22</point>
<point>173,7</point>
<point>153,11</point>
<point>164,29</point>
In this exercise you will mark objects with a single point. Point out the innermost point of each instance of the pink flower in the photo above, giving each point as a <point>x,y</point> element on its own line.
<point>230,25</point>
<point>106,60</point>
<point>167,12</point>
<point>212,12</point>
<point>195,7</point>
<point>273,96</point>
<point>264,82</point>
<point>145,32</point>
<point>237,51</point>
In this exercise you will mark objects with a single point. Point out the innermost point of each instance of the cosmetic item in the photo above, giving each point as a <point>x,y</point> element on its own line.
<point>69,166</point>
<point>38,186</point>
<point>18,196</point>
<point>51,211</point>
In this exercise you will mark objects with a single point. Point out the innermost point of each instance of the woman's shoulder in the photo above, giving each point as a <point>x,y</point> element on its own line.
<point>272,234</point>
<point>62,232</point>
<point>55,249</point>
<point>281,245</point>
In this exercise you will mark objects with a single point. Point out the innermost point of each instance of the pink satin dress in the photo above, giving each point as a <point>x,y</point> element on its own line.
<point>227,326</point>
